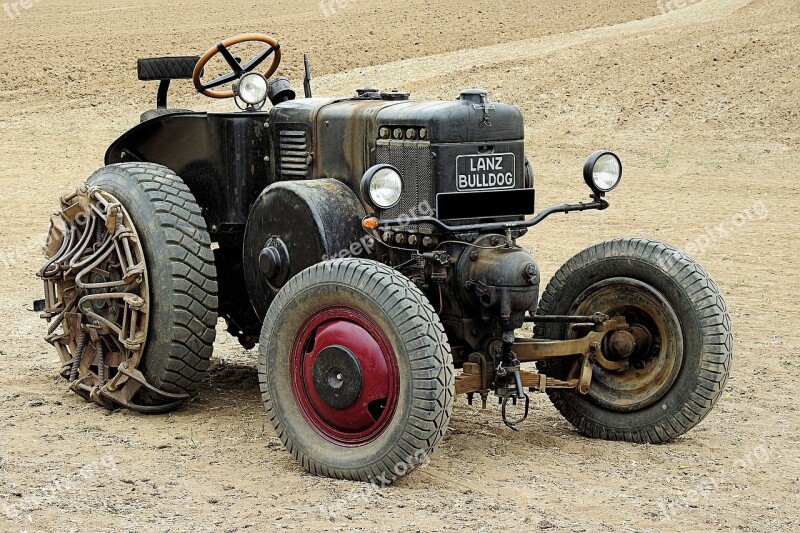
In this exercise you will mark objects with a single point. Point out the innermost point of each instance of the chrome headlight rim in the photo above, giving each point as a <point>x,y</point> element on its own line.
<point>371,180</point>
<point>590,166</point>
<point>263,89</point>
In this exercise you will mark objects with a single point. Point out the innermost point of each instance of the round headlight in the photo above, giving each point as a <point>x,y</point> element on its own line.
<point>602,171</point>
<point>382,185</point>
<point>252,88</point>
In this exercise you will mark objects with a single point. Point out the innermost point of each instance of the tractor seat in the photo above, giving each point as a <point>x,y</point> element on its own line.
<point>164,70</point>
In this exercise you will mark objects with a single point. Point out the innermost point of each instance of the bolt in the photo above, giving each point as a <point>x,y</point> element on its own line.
<point>531,274</point>
<point>339,377</point>
<point>474,255</point>
<point>495,240</point>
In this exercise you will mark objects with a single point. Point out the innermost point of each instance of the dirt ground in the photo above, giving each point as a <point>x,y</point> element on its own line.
<point>700,102</point>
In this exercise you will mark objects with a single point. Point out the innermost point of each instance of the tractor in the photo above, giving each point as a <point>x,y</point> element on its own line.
<point>369,245</point>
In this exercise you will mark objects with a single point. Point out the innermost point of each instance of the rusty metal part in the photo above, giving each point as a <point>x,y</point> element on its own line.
<point>528,350</point>
<point>642,360</point>
<point>588,349</point>
<point>96,299</point>
<point>622,343</point>
<point>597,318</point>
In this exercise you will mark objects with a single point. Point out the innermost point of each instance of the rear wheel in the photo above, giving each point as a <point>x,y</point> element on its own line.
<point>355,371</point>
<point>180,263</point>
<point>132,284</point>
<point>678,345</point>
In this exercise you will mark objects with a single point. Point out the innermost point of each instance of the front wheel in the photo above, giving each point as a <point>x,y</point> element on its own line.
<point>355,371</point>
<point>678,344</point>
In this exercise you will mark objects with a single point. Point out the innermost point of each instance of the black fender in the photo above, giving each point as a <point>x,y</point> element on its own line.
<point>222,157</point>
<point>294,225</point>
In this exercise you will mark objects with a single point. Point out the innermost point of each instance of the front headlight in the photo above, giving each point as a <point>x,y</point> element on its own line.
<point>252,88</point>
<point>602,171</point>
<point>382,186</point>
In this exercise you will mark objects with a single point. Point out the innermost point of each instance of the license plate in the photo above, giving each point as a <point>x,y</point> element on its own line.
<point>485,172</point>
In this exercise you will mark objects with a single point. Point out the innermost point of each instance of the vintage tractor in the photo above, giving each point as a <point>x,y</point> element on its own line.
<point>369,246</point>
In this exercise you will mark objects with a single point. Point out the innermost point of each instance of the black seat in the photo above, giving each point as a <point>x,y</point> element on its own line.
<point>165,69</point>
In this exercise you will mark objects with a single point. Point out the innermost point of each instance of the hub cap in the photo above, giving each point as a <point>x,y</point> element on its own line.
<point>344,375</point>
<point>652,345</point>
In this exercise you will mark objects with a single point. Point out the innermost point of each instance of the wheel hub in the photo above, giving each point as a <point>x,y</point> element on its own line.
<point>652,344</point>
<point>344,376</point>
<point>621,345</point>
<point>337,377</point>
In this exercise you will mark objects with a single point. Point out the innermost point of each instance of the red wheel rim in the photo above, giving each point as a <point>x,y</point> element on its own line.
<point>344,375</point>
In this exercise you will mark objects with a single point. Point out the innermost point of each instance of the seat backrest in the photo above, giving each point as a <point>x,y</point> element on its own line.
<point>167,68</point>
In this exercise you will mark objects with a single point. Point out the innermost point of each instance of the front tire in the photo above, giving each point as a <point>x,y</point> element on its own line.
<point>680,372</point>
<point>355,371</point>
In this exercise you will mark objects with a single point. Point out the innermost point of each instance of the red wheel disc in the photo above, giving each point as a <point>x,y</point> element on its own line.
<point>344,375</point>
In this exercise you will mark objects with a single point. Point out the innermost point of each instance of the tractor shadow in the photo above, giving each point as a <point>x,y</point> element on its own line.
<point>229,383</point>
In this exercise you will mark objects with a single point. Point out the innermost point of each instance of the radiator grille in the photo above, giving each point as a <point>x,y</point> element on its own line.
<point>413,160</point>
<point>293,154</point>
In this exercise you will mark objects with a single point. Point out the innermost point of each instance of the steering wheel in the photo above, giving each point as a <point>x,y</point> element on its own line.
<point>237,69</point>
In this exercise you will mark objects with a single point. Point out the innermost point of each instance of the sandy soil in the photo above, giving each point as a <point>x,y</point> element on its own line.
<point>700,102</point>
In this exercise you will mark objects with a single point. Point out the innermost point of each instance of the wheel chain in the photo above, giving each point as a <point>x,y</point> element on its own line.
<point>97,300</point>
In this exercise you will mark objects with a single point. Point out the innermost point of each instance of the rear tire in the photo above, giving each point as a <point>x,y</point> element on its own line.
<point>180,264</point>
<point>378,336</point>
<point>659,280</point>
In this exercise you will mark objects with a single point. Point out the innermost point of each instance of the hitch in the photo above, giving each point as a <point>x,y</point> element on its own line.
<point>513,394</point>
<point>508,382</point>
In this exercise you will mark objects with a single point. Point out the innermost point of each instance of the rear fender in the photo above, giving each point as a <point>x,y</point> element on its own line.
<point>222,157</point>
